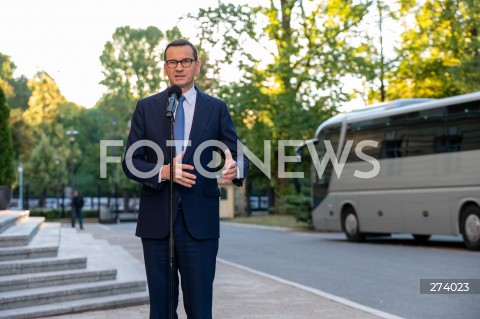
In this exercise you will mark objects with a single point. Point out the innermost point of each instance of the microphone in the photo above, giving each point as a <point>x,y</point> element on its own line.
<point>174,93</point>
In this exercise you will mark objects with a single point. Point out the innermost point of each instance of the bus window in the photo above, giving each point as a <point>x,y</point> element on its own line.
<point>392,144</point>
<point>462,126</point>
<point>426,132</point>
<point>361,131</point>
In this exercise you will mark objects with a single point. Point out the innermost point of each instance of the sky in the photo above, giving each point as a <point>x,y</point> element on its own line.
<point>65,38</point>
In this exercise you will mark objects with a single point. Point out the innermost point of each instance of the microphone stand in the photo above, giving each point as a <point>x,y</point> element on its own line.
<point>170,238</point>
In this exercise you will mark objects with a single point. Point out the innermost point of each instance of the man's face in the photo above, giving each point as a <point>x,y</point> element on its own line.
<point>181,76</point>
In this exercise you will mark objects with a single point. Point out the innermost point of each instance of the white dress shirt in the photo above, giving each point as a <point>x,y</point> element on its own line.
<point>189,109</point>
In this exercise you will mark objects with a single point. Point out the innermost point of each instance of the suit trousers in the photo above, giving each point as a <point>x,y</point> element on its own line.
<point>194,259</point>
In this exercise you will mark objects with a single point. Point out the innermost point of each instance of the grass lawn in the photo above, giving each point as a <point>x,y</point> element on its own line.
<point>272,220</point>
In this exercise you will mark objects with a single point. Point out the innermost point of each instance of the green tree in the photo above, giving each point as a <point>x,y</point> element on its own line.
<point>22,135</point>
<point>7,169</point>
<point>40,167</point>
<point>15,89</point>
<point>131,61</point>
<point>440,53</point>
<point>308,49</point>
<point>43,103</point>
<point>21,93</point>
<point>113,116</point>
<point>375,60</point>
<point>7,67</point>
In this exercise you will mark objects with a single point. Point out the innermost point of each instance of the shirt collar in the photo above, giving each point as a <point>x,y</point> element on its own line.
<point>190,95</point>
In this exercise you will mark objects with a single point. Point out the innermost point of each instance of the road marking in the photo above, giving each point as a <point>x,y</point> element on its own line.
<point>317,292</point>
<point>254,226</point>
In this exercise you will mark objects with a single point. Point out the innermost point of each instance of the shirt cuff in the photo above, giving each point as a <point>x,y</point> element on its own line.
<point>160,175</point>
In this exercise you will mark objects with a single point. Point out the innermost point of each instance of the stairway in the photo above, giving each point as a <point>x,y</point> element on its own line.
<point>48,270</point>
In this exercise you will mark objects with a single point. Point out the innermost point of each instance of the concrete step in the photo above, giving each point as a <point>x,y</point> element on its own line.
<point>22,233</point>
<point>43,245</point>
<point>8,218</point>
<point>99,303</point>
<point>18,267</point>
<point>30,281</point>
<point>55,295</point>
<point>20,253</point>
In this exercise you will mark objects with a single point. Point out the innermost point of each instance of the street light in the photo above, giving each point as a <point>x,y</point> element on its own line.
<point>20,185</point>
<point>57,166</point>
<point>114,123</point>
<point>71,135</point>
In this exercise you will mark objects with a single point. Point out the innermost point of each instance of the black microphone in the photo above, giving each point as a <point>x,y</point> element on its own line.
<point>174,93</point>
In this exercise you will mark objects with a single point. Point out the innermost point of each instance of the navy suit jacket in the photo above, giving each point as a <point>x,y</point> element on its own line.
<point>211,121</point>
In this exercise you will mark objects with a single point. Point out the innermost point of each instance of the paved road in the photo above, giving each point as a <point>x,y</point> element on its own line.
<point>383,274</point>
<point>238,293</point>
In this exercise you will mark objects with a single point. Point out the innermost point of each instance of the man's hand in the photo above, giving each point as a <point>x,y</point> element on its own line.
<point>229,172</point>
<point>180,176</point>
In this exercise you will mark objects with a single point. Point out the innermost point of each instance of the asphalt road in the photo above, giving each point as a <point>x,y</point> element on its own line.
<point>383,273</point>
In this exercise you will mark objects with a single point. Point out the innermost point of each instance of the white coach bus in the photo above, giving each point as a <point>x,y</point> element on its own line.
<point>429,179</point>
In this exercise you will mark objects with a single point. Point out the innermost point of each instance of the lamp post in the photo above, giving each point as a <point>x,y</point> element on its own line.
<point>57,166</point>
<point>71,135</point>
<point>114,174</point>
<point>20,186</point>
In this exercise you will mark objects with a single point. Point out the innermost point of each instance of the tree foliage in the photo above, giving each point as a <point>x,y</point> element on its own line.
<point>7,169</point>
<point>308,46</point>
<point>131,61</point>
<point>440,53</point>
<point>43,103</point>
<point>7,67</point>
<point>287,65</point>
<point>21,93</point>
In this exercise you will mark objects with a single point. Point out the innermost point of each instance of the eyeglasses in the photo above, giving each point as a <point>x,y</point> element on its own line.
<point>172,64</point>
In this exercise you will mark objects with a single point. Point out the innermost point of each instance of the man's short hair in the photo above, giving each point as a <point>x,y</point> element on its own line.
<point>180,43</point>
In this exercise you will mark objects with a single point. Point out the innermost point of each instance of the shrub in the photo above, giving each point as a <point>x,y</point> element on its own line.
<point>299,206</point>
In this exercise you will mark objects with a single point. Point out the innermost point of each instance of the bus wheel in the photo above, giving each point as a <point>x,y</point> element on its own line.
<point>421,238</point>
<point>351,225</point>
<point>471,227</point>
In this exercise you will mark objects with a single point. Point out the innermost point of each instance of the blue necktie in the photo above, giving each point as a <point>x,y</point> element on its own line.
<point>179,126</point>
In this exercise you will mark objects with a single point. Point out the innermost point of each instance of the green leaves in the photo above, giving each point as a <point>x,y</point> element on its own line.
<point>43,102</point>
<point>440,54</point>
<point>131,61</point>
<point>308,52</point>
<point>7,169</point>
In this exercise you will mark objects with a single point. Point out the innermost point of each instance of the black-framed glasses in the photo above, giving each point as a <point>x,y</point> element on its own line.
<point>172,64</point>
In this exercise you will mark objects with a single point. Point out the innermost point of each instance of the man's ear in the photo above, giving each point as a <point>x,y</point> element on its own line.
<point>197,68</point>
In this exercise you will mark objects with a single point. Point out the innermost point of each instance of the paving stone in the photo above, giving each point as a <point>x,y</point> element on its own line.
<point>238,293</point>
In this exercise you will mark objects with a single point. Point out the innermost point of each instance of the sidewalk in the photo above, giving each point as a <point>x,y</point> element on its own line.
<point>239,293</point>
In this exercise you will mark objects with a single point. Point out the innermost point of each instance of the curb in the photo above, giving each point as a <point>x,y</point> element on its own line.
<point>255,226</point>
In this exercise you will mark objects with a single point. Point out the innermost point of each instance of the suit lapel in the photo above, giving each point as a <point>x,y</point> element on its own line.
<point>202,113</point>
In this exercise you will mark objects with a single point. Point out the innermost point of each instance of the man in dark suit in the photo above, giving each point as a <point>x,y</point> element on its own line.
<point>199,118</point>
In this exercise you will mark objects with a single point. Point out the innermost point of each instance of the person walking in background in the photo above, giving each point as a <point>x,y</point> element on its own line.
<point>77,205</point>
<point>199,118</point>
